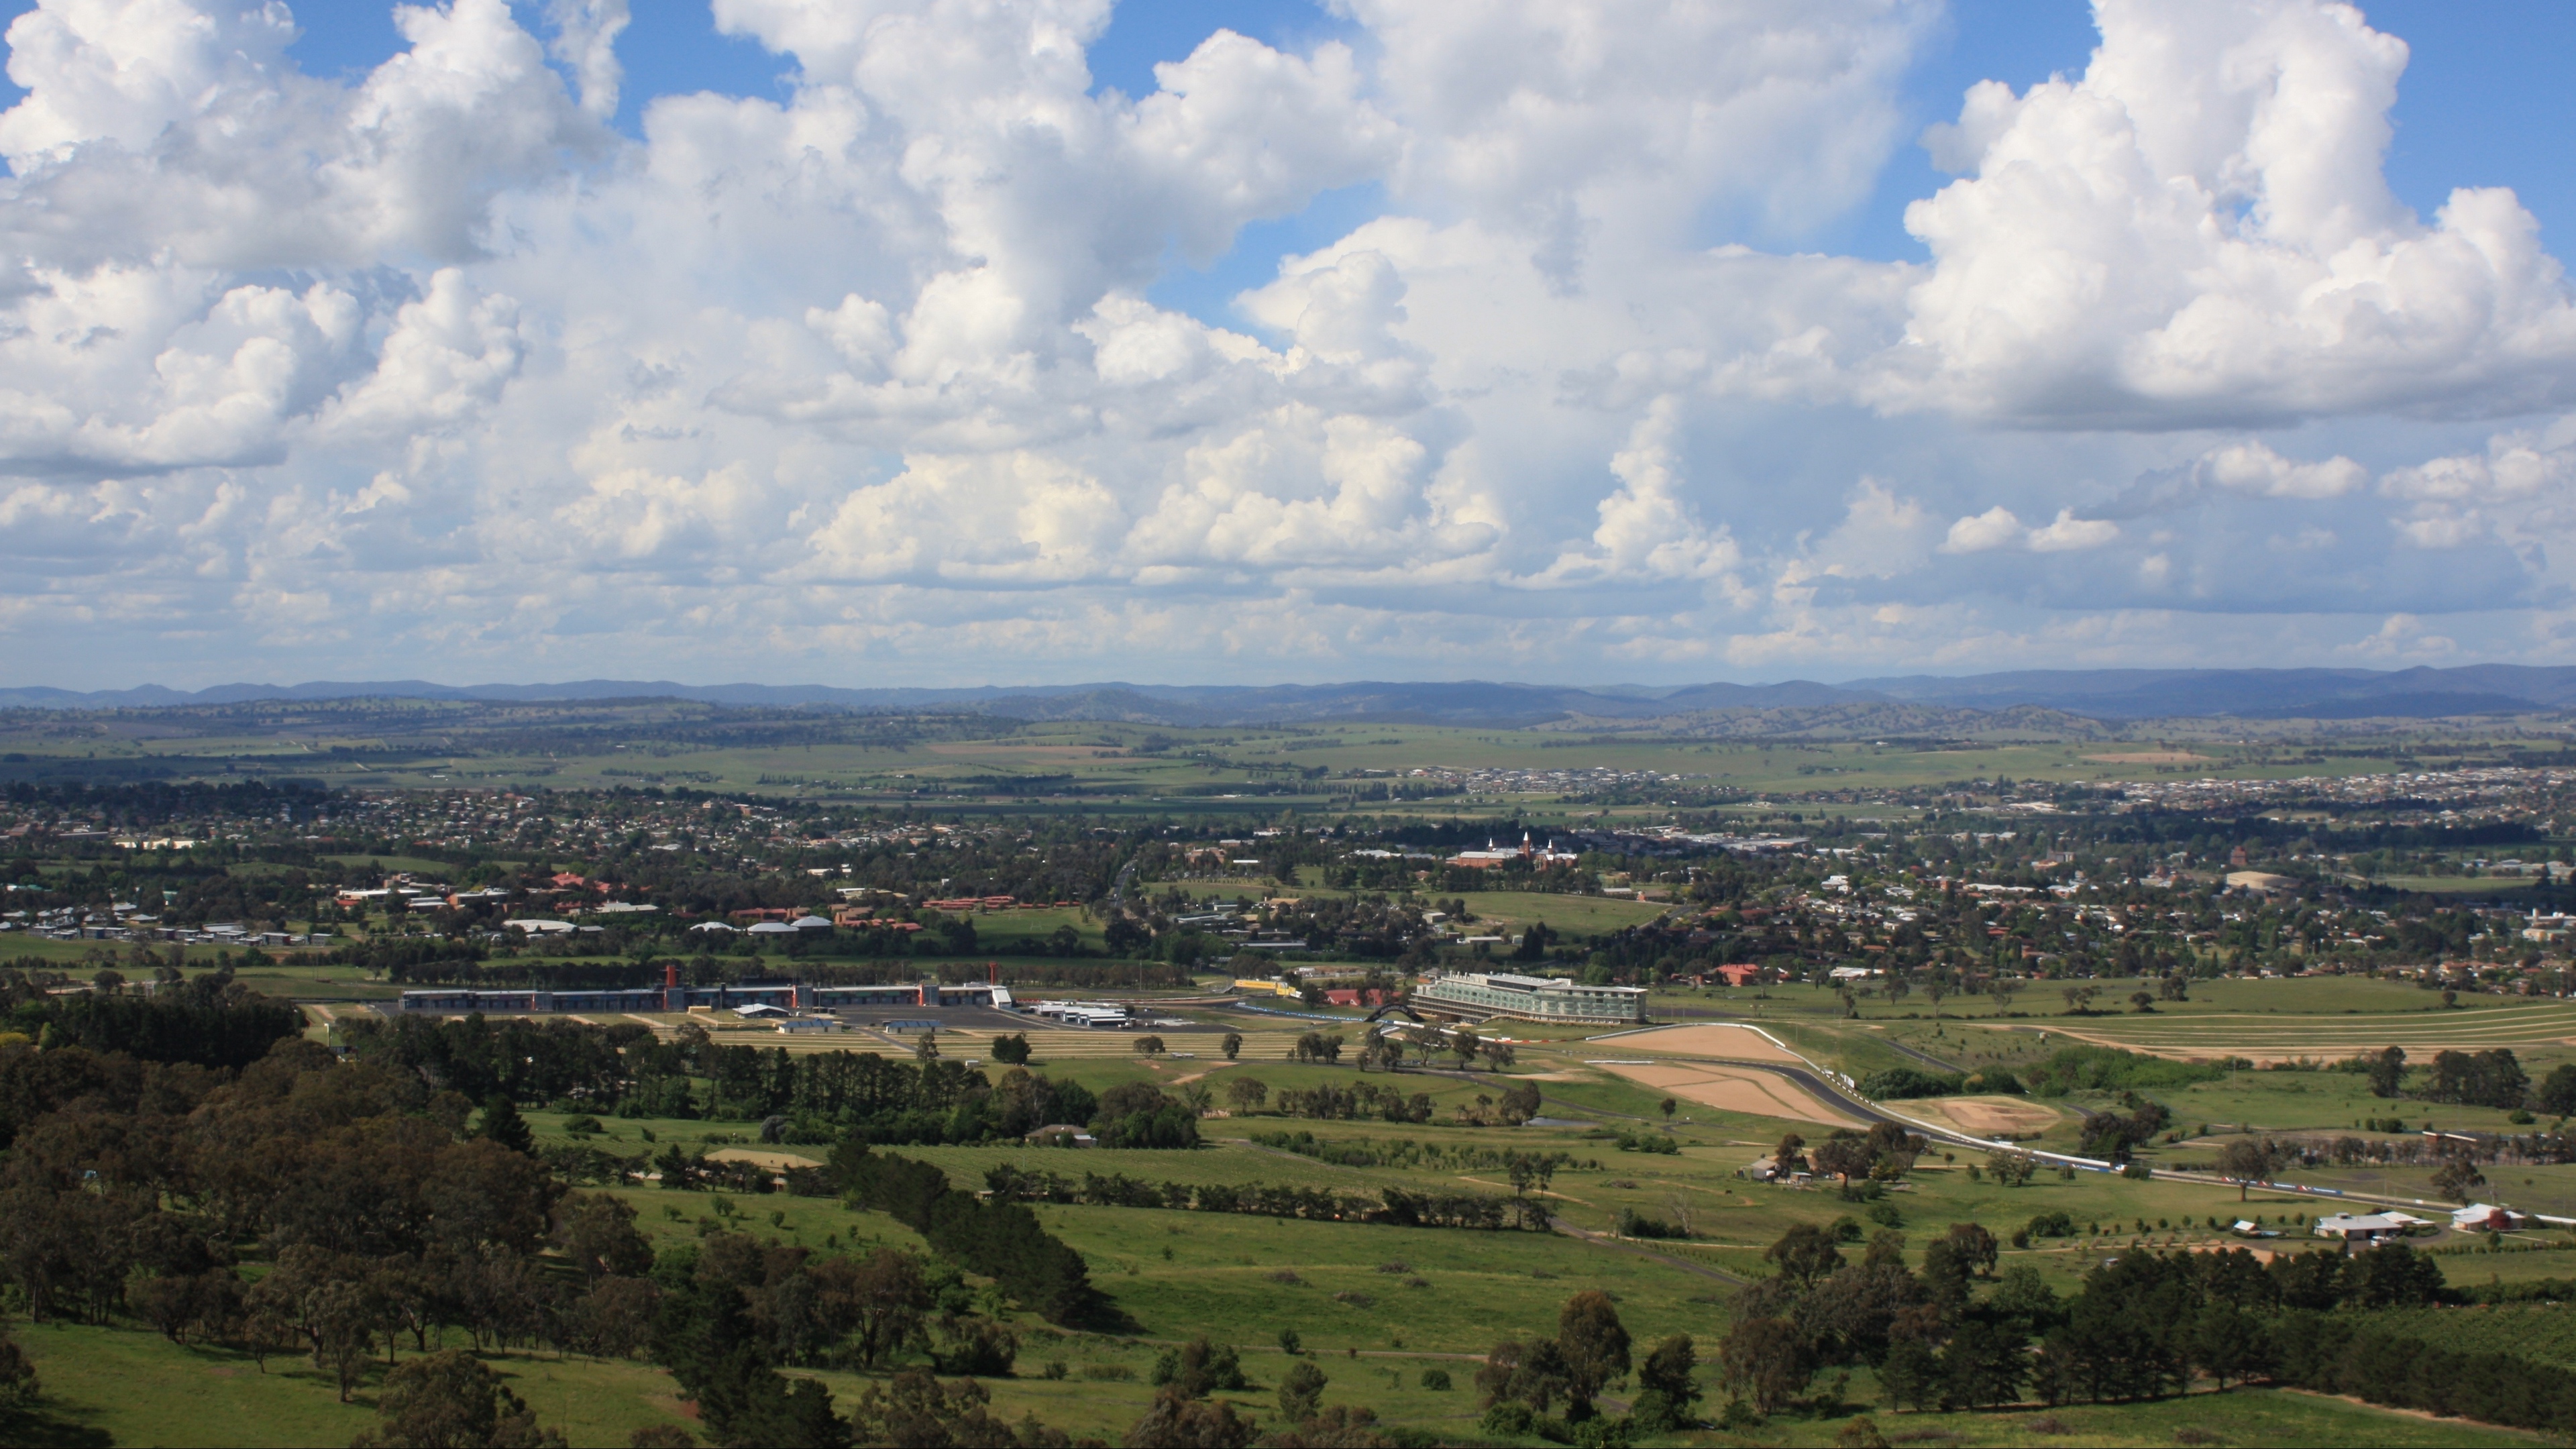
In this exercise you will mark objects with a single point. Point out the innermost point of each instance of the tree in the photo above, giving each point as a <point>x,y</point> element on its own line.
<point>1232,1044</point>
<point>1301,1391</point>
<point>1012,1050</point>
<point>2142,1000</point>
<point>1149,1046</point>
<point>503,1125</point>
<point>2230,1343</point>
<point>1668,1107</point>
<point>2000,990</point>
<point>1199,1367</point>
<point>1804,1254</point>
<point>18,1385</point>
<point>925,1048</point>
<point>452,1400</point>
<point>1669,1375</point>
<point>1247,1093</point>
<point>1520,1102</point>
<point>1846,1155</point>
<point>882,1297</point>
<point>914,1408</point>
<point>1178,1422</point>
<point>2457,1179</point>
<point>2558,1090</point>
<point>1910,1375</point>
<point>2386,1071</point>
<point>1463,1043</point>
<point>1982,1367</point>
<point>598,1233</point>
<point>1533,1374</point>
<point>1976,1247</point>
<point>1789,1156</point>
<point>2248,1160</point>
<point>1764,1360</point>
<point>1595,1345</point>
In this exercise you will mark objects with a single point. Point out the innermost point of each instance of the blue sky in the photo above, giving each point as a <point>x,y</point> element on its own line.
<point>1504,366</point>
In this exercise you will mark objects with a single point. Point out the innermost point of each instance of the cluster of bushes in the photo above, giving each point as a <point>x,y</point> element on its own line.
<point>2110,1069</point>
<point>1654,1142</point>
<point>1138,1114</point>
<point>1334,1103</point>
<point>2049,1225</point>
<point>1523,1381</point>
<point>1899,1083</point>
<point>2115,1136</point>
<point>1633,1224</point>
<point>1392,1206</point>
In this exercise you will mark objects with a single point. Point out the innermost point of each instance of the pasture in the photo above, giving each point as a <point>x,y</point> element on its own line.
<point>1110,765</point>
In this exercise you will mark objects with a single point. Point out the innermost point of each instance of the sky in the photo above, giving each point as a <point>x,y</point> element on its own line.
<point>946,342</point>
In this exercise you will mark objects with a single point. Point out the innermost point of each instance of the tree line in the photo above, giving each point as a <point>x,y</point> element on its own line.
<point>1954,1334</point>
<point>1392,1206</point>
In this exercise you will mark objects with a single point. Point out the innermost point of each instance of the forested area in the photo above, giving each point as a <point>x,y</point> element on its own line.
<point>1953,1334</point>
<point>351,1211</point>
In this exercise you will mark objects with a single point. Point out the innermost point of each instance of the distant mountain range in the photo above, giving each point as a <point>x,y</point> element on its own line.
<point>2093,694</point>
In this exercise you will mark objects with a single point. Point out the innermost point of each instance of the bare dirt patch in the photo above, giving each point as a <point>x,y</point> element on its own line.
<point>1732,1089</point>
<point>774,1161</point>
<point>1993,1114</point>
<point>1742,1042</point>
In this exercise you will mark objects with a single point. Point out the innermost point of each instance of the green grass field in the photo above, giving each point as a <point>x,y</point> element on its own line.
<point>1121,766</point>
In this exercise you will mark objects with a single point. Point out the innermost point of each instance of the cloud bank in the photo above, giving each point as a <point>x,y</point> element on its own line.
<point>869,382</point>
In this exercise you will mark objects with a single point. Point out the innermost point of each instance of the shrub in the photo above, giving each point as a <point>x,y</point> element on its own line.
<point>1436,1380</point>
<point>1897,1083</point>
<point>1199,1367</point>
<point>2051,1225</point>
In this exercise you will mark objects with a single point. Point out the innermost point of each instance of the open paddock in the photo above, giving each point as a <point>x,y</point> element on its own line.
<point>2282,1036</point>
<point>1735,1089</point>
<point>1987,1116</point>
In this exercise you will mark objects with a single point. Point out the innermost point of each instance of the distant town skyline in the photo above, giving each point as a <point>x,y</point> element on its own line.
<point>919,343</point>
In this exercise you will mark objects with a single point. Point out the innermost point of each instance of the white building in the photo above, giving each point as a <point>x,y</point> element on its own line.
<point>1532,998</point>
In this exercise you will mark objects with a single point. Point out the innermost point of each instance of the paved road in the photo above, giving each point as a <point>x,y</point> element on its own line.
<point>1604,1240</point>
<point>1926,1058</point>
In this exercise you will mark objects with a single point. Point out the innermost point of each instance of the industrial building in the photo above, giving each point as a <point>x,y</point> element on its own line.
<point>671,996</point>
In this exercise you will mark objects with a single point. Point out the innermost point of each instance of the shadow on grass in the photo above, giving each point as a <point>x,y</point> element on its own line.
<point>1101,1313</point>
<point>35,1427</point>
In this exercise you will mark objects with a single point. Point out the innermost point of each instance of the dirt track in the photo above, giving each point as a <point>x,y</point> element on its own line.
<point>1734,1089</point>
<point>1707,1040</point>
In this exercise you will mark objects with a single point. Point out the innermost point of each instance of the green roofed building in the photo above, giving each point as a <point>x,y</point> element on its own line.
<point>1530,998</point>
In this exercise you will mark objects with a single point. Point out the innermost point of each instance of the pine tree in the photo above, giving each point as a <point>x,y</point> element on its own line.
<point>503,1124</point>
